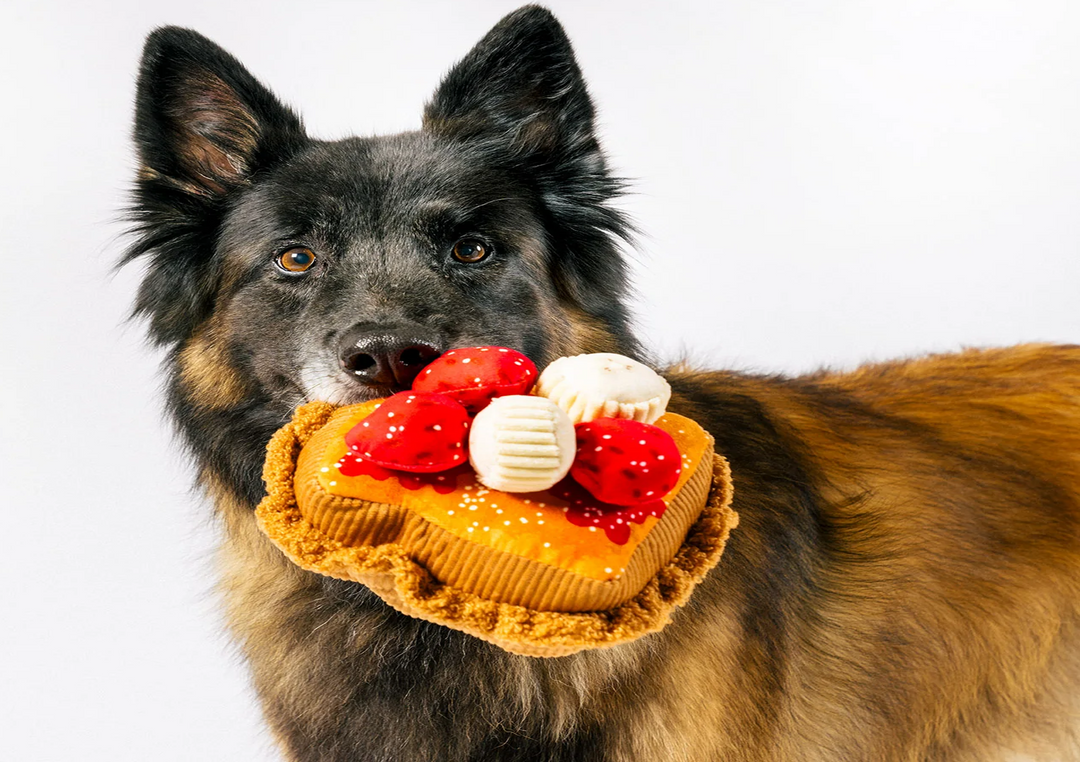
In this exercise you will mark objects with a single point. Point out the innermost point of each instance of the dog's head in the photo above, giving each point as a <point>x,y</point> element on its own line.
<point>284,268</point>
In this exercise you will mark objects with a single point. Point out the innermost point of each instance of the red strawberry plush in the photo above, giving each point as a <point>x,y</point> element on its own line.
<point>413,431</point>
<point>473,376</point>
<point>625,462</point>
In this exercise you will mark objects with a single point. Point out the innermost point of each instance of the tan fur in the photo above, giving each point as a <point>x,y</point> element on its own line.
<point>209,379</point>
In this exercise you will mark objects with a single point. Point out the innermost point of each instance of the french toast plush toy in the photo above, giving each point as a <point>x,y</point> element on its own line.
<point>579,516</point>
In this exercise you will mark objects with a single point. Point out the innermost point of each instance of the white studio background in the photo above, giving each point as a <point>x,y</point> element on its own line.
<point>818,183</point>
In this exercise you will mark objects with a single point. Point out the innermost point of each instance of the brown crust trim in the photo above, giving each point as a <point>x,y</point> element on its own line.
<point>407,586</point>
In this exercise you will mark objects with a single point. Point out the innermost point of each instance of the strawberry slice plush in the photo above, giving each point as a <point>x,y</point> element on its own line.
<point>475,375</point>
<point>625,462</point>
<point>413,431</point>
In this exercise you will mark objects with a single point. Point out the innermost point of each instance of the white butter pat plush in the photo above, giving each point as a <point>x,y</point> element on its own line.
<point>521,443</point>
<point>604,385</point>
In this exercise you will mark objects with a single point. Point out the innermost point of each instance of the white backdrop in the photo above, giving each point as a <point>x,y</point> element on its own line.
<point>819,183</point>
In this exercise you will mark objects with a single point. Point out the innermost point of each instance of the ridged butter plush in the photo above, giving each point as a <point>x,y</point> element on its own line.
<point>604,385</point>
<point>521,443</point>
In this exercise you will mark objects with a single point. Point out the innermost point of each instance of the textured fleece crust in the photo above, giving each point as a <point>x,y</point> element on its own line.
<point>407,586</point>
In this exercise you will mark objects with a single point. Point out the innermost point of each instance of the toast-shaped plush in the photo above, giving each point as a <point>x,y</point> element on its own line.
<point>542,574</point>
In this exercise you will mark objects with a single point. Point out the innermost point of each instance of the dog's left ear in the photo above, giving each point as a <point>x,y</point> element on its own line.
<point>520,87</point>
<point>520,93</point>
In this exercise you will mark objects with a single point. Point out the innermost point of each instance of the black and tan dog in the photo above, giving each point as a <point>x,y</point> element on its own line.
<point>905,582</point>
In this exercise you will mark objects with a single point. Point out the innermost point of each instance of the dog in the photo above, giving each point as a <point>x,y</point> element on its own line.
<point>905,580</point>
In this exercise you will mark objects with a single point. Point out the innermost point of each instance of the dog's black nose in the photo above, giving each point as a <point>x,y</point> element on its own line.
<point>387,356</point>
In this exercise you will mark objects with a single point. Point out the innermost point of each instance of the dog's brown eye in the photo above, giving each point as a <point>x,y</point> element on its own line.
<point>296,260</point>
<point>470,250</point>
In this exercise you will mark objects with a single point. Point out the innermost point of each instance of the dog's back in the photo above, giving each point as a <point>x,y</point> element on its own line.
<point>917,528</point>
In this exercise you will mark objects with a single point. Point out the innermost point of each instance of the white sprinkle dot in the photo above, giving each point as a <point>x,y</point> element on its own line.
<point>504,350</point>
<point>437,427</point>
<point>608,570</point>
<point>324,469</point>
<point>450,512</point>
<point>471,529</point>
<point>599,448</point>
<point>642,442</point>
<point>498,510</point>
<point>366,423</point>
<point>333,484</point>
<point>389,436</point>
<point>389,415</point>
<point>393,428</point>
<point>592,529</point>
<point>472,507</point>
<point>659,457</point>
<point>507,523</point>
<point>547,544</point>
<point>457,457</point>
<point>540,522</point>
<point>476,380</point>
<point>476,523</point>
<point>523,520</point>
<point>607,436</point>
<point>487,529</point>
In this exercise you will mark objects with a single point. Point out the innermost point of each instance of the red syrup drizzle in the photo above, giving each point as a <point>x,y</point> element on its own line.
<point>584,510</point>
<point>443,482</point>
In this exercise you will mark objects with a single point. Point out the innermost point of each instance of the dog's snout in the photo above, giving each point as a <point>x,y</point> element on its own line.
<point>389,357</point>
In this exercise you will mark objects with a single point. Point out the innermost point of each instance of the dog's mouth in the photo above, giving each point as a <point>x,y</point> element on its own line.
<point>333,385</point>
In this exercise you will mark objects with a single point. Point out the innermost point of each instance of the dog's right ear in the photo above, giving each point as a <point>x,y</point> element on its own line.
<point>203,128</point>
<point>203,124</point>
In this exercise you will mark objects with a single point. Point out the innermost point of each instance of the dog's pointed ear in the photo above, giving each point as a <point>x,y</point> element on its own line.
<point>519,85</point>
<point>203,124</point>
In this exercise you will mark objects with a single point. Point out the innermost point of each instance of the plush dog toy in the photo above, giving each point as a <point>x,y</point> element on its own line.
<point>576,517</point>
